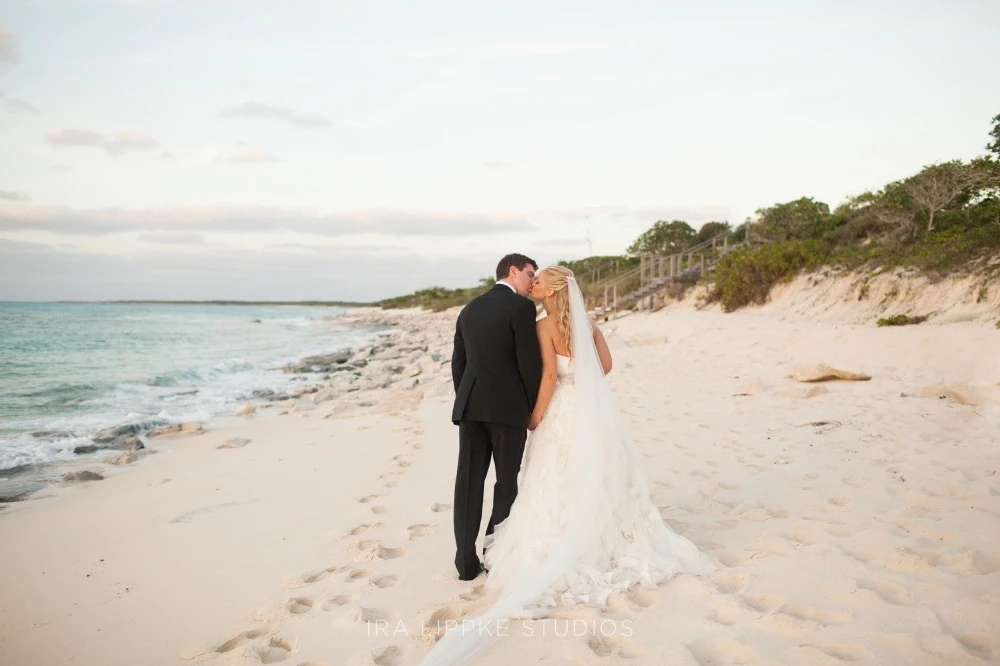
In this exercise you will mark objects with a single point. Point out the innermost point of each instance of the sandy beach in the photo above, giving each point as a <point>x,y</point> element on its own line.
<point>853,521</point>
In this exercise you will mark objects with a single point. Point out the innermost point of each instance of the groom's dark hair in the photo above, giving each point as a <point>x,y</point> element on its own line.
<point>518,261</point>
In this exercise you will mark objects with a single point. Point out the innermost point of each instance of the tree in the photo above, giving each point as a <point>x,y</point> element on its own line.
<point>664,238</point>
<point>802,218</point>
<point>934,188</point>
<point>994,146</point>
<point>710,230</point>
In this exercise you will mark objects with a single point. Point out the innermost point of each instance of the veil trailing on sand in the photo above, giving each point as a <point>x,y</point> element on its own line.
<point>615,537</point>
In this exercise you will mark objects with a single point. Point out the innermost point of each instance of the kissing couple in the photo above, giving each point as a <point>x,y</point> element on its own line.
<point>572,520</point>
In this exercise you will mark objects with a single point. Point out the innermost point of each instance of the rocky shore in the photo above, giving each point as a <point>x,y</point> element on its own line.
<point>409,360</point>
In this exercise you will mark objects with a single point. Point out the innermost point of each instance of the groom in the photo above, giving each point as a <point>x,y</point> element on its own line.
<point>497,368</point>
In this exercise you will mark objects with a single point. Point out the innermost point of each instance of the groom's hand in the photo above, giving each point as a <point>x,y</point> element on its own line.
<point>533,422</point>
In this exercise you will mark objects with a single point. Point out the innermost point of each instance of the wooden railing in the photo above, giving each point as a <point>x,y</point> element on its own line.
<point>658,270</point>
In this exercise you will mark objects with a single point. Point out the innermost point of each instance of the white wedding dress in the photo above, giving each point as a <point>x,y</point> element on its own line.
<point>583,526</point>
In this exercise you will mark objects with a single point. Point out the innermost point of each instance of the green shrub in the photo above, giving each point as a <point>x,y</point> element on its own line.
<point>901,320</point>
<point>746,276</point>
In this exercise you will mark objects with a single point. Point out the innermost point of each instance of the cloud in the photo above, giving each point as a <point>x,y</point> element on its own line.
<point>173,238</point>
<point>258,110</point>
<point>20,216</point>
<point>495,164</point>
<point>13,196</point>
<point>12,105</point>
<point>115,144</point>
<point>125,141</point>
<point>71,136</point>
<point>247,154</point>
<point>8,49</point>
<point>60,168</point>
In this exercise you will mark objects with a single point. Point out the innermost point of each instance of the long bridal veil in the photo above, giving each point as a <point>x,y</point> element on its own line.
<point>614,538</point>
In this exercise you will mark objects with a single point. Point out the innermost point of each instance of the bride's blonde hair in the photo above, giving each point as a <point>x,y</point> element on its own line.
<point>556,278</point>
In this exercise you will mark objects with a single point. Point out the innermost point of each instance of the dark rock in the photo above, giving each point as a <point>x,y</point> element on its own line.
<point>177,430</point>
<point>82,475</point>
<point>50,433</point>
<point>126,444</point>
<point>86,448</point>
<point>111,434</point>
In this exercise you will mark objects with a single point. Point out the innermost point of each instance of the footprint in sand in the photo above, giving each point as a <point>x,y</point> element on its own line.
<point>722,651</point>
<point>370,550</point>
<point>240,639</point>
<point>385,581</point>
<point>728,582</point>
<point>379,510</point>
<point>317,576</point>
<point>299,605</point>
<point>338,601</point>
<point>984,646</point>
<point>438,623</point>
<point>370,615</point>
<point>418,530</point>
<point>842,651</point>
<point>887,592</point>
<point>437,507</point>
<point>417,445</point>
<point>367,498</point>
<point>477,592</point>
<point>608,645</point>
<point>276,650</point>
<point>813,614</point>
<point>393,655</point>
<point>845,530</point>
<point>644,597</point>
<point>363,527</point>
<point>358,574</point>
<point>762,603</point>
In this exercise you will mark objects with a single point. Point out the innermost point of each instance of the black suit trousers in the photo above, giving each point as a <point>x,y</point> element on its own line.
<point>478,442</point>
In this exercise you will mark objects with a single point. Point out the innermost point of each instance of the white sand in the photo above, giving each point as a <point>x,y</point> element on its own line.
<point>852,525</point>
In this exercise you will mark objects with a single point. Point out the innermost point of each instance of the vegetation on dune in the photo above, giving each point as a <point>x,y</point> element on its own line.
<point>437,299</point>
<point>941,220</point>
<point>900,320</point>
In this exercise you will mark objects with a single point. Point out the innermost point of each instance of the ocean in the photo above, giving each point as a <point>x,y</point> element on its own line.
<point>68,370</point>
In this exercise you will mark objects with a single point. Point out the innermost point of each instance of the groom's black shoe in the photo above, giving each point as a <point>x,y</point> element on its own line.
<point>482,569</point>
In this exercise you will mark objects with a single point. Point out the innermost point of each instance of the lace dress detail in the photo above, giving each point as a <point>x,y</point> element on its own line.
<point>635,547</point>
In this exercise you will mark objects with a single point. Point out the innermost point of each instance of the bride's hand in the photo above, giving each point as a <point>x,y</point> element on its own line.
<point>533,422</point>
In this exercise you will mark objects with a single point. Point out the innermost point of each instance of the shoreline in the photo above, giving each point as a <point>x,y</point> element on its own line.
<point>321,378</point>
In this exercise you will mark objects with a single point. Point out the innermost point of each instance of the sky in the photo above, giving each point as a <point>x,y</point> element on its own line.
<point>216,149</point>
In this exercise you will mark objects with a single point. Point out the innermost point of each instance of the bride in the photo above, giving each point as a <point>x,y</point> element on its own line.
<point>583,526</point>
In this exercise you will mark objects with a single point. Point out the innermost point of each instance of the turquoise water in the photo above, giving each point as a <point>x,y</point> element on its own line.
<point>75,368</point>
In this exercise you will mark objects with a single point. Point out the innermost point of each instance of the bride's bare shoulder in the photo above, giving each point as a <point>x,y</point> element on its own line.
<point>544,325</point>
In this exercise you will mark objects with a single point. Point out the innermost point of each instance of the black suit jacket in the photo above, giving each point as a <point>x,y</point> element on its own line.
<point>496,364</point>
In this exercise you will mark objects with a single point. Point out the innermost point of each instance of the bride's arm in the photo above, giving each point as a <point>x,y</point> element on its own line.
<point>603,352</point>
<point>550,372</point>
